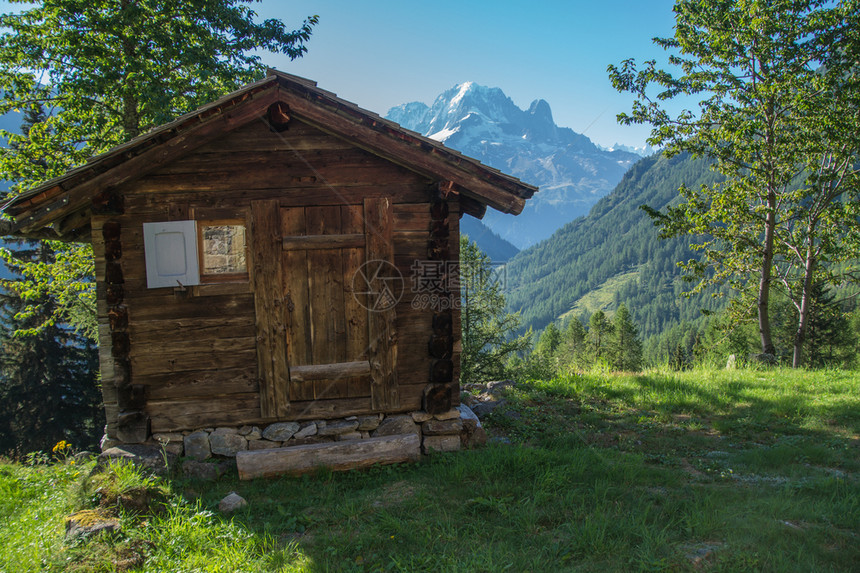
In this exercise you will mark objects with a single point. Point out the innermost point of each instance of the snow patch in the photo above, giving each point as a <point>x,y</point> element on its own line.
<point>464,89</point>
<point>444,134</point>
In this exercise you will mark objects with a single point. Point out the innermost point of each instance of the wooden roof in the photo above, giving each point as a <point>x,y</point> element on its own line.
<point>59,208</point>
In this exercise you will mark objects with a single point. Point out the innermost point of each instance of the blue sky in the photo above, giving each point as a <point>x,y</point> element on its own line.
<point>381,53</point>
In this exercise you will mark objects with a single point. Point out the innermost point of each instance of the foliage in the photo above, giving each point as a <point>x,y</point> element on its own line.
<point>48,372</point>
<point>778,117</point>
<point>487,329</point>
<point>104,72</point>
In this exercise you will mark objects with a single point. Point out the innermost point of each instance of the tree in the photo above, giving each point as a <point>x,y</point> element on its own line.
<point>488,338</point>
<point>47,392</point>
<point>105,71</point>
<point>778,119</point>
<point>549,340</point>
<point>91,75</point>
<point>599,330</point>
<point>625,348</point>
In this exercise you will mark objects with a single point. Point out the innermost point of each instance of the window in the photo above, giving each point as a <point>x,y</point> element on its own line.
<point>222,250</point>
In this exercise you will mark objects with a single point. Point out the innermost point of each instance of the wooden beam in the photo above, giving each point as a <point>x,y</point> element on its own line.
<point>334,371</point>
<point>157,155</point>
<point>412,156</point>
<point>336,456</point>
<point>307,242</point>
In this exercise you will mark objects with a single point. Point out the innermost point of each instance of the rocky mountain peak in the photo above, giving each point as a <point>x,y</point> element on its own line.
<point>484,123</point>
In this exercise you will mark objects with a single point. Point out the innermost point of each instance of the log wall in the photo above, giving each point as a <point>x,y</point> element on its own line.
<point>191,352</point>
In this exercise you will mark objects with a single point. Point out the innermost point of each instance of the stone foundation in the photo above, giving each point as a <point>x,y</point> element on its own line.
<point>444,432</point>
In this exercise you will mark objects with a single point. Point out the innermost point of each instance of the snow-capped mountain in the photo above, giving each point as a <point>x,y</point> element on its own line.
<point>571,171</point>
<point>643,151</point>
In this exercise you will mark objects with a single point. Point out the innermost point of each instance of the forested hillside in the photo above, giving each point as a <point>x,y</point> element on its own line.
<point>492,245</point>
<point>614,255</point>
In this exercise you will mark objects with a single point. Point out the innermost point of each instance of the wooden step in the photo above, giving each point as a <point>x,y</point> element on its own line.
<point>336,456</point>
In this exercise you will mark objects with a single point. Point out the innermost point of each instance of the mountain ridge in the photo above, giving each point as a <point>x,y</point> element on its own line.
<point>571,171</point>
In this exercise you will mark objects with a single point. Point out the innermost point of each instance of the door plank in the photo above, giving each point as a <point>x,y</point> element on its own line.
<point>382,335</point>
<point>270,310</point>
<point>297,298</point>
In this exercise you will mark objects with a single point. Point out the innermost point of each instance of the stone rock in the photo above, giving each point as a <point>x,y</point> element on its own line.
<point>485,408</point>
<point>393,425</point>
<point>442,427</point>
<point>449,415</point>
<point>473,434</point>
<point>281,431</point>
<point>440,444</point>
<point>338,427</point>
<point>227,431</point>
<point>368,423</point>
<point>262,445</point>
<point>496,387</point>
<point>732,362</point>
<point>766,359</point>
<point>420,416</point>
<point>365,435</point>
<point>84,456</point>
<point>474,439</point>
<point>349,436</point>
<point>308,430</point>
<point>250,432</point>
<point>168,437</point>
<point>227,444</point>
<point>89,522</point>
<point>467,398</point>
<point>175,448</point>
<point>107,443</point>
<point>203,470</point>
<point>143,456</point>
<point>232,502</point>
<point>197,446</point>
<point>468,416</point>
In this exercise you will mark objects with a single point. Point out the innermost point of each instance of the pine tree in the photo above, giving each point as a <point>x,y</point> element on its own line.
<point>549,340</point>
<point>625,349</point>
<point>48,387</point>
<point>488,339</point>
<point>599,330</point>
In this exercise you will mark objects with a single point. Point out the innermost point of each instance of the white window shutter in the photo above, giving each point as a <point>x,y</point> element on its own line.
<point>171,254</point>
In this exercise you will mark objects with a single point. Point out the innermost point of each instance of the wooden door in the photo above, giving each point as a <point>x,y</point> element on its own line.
<point>318,336</point>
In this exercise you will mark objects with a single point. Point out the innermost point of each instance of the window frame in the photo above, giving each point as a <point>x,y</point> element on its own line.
<point>215,278</point>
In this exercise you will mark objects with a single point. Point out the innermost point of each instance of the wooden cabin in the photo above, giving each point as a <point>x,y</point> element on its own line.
<point>278,256</point>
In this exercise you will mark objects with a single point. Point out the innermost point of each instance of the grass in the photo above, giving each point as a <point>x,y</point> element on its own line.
<point>703,470</point>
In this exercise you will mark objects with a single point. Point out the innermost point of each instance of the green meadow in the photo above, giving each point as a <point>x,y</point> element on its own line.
<point>704,470</point>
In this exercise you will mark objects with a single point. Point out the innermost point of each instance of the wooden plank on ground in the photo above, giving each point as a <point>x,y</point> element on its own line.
<point>337,456</point>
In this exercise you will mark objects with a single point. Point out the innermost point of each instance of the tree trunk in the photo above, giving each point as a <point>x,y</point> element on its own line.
<point>764,284</point>
<point>805,306</point>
